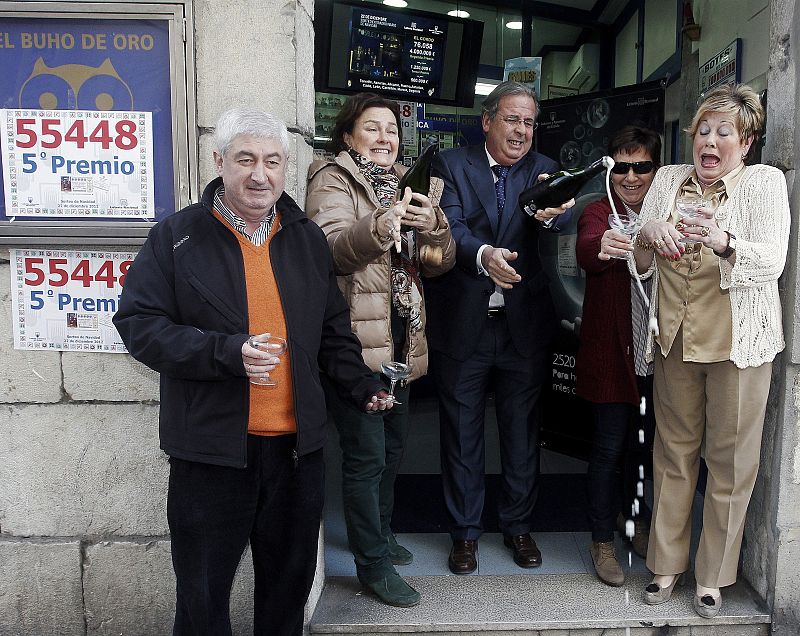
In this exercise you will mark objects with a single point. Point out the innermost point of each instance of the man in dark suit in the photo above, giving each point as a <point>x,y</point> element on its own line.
<point>492,314</point>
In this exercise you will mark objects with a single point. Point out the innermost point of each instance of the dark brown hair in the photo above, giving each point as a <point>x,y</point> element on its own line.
<point>632,138</point>
<point>351,111</point>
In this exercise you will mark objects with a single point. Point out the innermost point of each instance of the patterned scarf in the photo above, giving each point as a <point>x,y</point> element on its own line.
<point>406,286</point>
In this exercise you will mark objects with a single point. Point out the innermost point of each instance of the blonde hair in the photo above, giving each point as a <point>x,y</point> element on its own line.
<point>743,103</point>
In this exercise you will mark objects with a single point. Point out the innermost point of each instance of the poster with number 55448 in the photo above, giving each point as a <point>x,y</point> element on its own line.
<point>64,300</point>
<point>89,164</point>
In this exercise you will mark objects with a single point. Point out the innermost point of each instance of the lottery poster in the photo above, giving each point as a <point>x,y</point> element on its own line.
<point>91,164</point>
<point>64,300</point>
<point>86,121</point>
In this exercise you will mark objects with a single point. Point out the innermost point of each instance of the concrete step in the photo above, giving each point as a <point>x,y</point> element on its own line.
<point>534,605</point>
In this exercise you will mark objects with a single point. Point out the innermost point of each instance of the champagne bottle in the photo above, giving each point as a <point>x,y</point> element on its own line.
<point>418,177</point>
<point>560,187</point>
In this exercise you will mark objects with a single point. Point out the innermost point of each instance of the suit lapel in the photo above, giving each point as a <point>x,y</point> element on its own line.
<point>482,183</point>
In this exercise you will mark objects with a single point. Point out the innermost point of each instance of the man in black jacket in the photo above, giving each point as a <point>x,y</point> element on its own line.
<point>245,458</point>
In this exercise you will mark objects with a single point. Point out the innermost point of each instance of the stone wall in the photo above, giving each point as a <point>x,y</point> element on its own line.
<point>84,546</point>
<point>771,552</point>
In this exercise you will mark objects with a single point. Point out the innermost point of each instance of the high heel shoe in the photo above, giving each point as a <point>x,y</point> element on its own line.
<point>654,594</point>
<point>707,606</point>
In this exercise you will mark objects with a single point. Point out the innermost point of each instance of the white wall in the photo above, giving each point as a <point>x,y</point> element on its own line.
<point>722,21</point>
<point>554,70</point>
<point>660,23</point>
<point>625,59</point>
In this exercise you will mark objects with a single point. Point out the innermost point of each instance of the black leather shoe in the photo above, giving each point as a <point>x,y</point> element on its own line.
<point>526,554</point>
<point>463,556</point>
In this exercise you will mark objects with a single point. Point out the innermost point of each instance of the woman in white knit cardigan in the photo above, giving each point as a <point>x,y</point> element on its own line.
<point>715,299</point>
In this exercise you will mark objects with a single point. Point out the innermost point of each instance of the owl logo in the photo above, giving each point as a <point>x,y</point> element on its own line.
<point>75,87</point>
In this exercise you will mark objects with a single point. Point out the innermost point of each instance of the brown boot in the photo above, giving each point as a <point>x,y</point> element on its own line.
<point>641,534</point>
<point>606,564</point>
<point>641,537</point>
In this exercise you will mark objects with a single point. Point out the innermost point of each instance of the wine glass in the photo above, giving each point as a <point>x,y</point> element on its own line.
<point>628,223</point>
<point>689,208</point>
<point>395,371</point>
<point>274,345</point>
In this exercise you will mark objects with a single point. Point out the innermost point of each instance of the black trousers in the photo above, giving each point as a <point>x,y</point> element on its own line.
<point>616,456</point>
<point>462,404</point>
<point>213,511</point>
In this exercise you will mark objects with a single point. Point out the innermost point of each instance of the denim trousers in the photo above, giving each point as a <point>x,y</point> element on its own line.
<point>613,471</point>
<point>372,447</point>
<point>213,511</point>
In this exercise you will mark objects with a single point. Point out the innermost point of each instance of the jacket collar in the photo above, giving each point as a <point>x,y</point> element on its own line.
<point>482,182</point>
<point>477,155</point>
<point>290,211</point>
<point>346,163</point>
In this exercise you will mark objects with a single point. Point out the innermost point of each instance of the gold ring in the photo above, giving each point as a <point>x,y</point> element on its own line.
<point>704,231</point>
<point>658,243</point>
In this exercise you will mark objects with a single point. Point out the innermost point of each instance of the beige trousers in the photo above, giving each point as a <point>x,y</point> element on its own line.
<point>726,404</point>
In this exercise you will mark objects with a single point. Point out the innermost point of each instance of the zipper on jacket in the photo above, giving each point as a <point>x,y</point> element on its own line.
<point>295,455</point>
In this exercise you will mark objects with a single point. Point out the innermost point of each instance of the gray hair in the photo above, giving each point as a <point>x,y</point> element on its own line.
<point>505,89</point>
<point>249,121</point>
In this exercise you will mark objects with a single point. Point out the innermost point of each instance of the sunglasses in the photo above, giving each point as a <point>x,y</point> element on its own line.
<point>639,167</point>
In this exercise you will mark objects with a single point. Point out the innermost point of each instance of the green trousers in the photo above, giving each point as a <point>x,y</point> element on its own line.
<point>372,447</point>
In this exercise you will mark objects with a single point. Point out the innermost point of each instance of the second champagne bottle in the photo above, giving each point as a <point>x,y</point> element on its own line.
<point>560,187</point>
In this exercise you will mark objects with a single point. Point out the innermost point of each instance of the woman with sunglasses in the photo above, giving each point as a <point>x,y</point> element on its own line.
<point>715,296</point>
<point>611,370</point>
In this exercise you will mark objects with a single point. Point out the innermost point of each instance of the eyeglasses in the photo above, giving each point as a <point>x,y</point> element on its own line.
<point>514,121</point>
<point>639,167</point>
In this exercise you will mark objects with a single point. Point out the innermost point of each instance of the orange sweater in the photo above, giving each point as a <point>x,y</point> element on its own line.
<point>271,407</point>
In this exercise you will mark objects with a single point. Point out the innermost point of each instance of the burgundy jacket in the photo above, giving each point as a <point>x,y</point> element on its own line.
<point>605,358</point>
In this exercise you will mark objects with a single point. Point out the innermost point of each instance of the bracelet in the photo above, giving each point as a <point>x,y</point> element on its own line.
<point>643,244</point>
<point>729,249</point>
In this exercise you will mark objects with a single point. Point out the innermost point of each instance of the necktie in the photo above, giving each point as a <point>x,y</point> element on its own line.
<point>500,187</point>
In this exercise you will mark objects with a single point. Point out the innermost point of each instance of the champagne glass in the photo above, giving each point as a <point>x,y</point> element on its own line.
<point>627,223</point>
<point>395,371</point>
<point>688,209</point>
<point>274,345</point>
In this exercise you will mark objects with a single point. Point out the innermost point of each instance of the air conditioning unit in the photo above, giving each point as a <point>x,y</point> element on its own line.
<point>583,69</point>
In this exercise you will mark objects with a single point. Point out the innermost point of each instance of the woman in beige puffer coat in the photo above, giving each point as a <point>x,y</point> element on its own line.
<point>353,199</point>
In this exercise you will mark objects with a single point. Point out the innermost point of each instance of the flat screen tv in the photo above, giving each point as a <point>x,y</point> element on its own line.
<point>405,55</point>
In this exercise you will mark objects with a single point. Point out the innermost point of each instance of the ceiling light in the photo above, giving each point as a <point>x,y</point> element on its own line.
<point>516,25</point>
<point>458,13</point>
<point>396,3</point>
<point>483,88</point>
